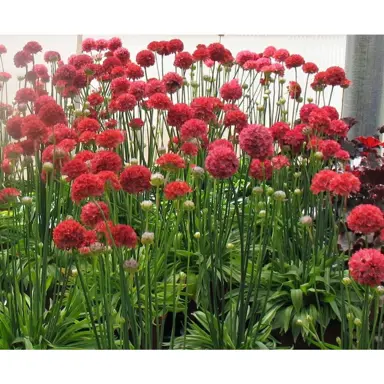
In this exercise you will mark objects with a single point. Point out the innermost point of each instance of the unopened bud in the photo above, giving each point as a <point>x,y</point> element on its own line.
<point>189,205</point>
<point>257,190</point>
<point>262,213</point>
<point>297,192</point>
<point>270,191</point>
<point>306,221</point>
<point>230,246</point>
<point>299,322</point>
<point>147,238</point>
<point>26,200</point>
<point>48,167</point>
<point>357,322</point>
<point>346,281</point>
<point>197,235</point>
<point>131,265</point>
<point>279,195</point>
<point>319,155</point>
<point>297,175</point>
<point>282,80</point>
<point>22,107</point>
<point>162,150</point>
<point>134,161</point>
<point>157,179</point>
<point>146,205</point>
<point>197,171</point>
<point>309,99</point>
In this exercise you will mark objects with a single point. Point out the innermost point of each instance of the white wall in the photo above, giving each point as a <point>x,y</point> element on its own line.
<point>324,50</point>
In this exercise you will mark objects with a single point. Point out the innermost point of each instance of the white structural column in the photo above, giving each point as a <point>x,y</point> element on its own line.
<point>364,100</point>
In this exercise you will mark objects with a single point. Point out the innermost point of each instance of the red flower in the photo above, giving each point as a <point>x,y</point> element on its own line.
<point>338,128</point>
<point>145,58</point>
<point>106,161</point>
<point>3,49</point>
<point>8,194</point>
<point>281,55</point>
<point>42,100</point>
<point>343,184</point>
<point>88,124</point>
<point>124,236</point>
<point>111,138</point>
<point>34,128</point>
<point>279,129</point>
<point>261,170</point>
<point>178,114</point>
<point>56,155</point>
<point>69,234</point>
<point>220,143</point>
<point>369,142</point>
<point>294,61</point>
<point>238,119</point>
<point>222,162</point>
<point>173,82</point>
<point>80,61</point>
<point>170,162</point>
<point>86,185</point>
<point>244,56</point>
<point>183,60</point>
<point>269,51</point>
<point>280,161</point>
<point>345,83</point>
<point>122,54</point>
<point>6,166</point>
<point>329,148</point>
<point>331,112</point>
<point>29,147</point>
<point>306,110</point>
<point>256,141</point>
<point>294,90</point>
<point>342,155</point>
<point>189,149</point>
<point>109,179</point>
<point>74,168</point>
<point>310,68</point>
<point>12,151</point>
<point>202,108</point>
<point>109,63</point>
<point>114,43</point>
<point>137,89</point>
<point>87,137</point>
<point>66,73</point>
<point>51,56</point>
<point>154,86</point>
<point>51,114</point>
<point>22,58</point>
<point>319,82</point>
<point>216,51</point>
<point>319,121</point>
<point>367,267</point>
<point>231,90</point>
<point>176,189</point>
<point>126,102</point>
<point>321,181</point>
<point>119,86</point>
<point>334,76</point>
<point>92,213</point>
<point>175,45</point>
<point>88,45</point>
<point>95,99</point>
<point>25,95</point>
<point>365,218</point>
<point>136,179</point>
<point>193,129</point>
<point>136,123</point>
<point>13,127</point>
<point>101,44</point>
<point>159,101</point>
<point>201,53</point>
<point>134,71</point>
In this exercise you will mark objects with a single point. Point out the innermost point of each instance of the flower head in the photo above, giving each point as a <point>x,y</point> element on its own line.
<point>366,218</point>
<point>367,267</point>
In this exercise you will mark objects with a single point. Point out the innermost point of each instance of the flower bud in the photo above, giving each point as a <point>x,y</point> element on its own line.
<point>197,171</point>
<point>131,265</point>
<point>297,192</point>
<point>300,99</point>
<point>270,191</point>
<point>197,235</point>
<point>146,205</point>
<point>162,150</point>
<point>296,175</point>
<point>357,322</point>
<point>338,341</point>
<point>299,322</point>
<point>349,316</point>
<point>189,205</point>
<point>279,196</point>
<point>22,107</point>
<point>182,277</point>
<point>262,213</point>
<point>306,221</point>
<point>244,86</point>
<point>347,281</point>
<point>48,167</point>
<point>134,161</point>
<point>257,190</point>
<point>380,290</point>
<point>260,108</point>
<point>68,217</point>
<point>230,246</point>
<point>282,80</point>
<point>26,200</point>
<point>309,99</point>
<point>157,179</point>
<point>319,155</point>
<point>307,131</point>
<point>147,238</point>
<point>40,245</point>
